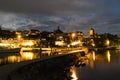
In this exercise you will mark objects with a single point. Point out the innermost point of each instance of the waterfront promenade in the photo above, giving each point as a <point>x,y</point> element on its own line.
<point>16,71</point>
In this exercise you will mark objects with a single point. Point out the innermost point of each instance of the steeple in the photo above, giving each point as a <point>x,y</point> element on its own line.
<point>92,32</point>
<point>0,28</point>
<point>58,30</point>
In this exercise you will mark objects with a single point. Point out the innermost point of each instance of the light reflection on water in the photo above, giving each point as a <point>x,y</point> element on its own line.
<point>103,65</point>
<point>108,56</point>
<point>104,56</point>
<point>12,59</point>
<point>28,55</point>
<point>74,74</point>
<point>6,58</point>
<point>96,56</point>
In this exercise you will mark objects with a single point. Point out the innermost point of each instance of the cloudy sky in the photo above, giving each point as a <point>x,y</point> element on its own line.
<point>71,15</point>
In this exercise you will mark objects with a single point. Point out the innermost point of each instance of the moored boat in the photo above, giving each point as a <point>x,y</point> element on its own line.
<point>10,50</point>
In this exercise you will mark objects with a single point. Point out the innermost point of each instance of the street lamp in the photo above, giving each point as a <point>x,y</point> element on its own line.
<point>107,42</point>
<point>73,36</point>
<point>19,36</point>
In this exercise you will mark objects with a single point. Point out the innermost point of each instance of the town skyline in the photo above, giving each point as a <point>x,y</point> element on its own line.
<point>57,28</point>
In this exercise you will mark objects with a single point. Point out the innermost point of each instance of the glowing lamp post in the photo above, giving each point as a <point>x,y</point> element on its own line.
<point>73,35</point>
<point>19,36</point>
<point>107,42</point>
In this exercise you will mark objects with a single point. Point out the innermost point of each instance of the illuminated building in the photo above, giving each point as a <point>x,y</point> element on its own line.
<point>61,39</point>
<point>91,32</point>
<point>5,34</point>
<point>31,34</point>
<point>77,38</point>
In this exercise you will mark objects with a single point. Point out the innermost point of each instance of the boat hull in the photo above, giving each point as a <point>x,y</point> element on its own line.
<point>13,50</point>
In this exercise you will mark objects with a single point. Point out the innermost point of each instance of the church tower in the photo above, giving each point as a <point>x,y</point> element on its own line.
<point>91,32</point>
<point>0,28</point>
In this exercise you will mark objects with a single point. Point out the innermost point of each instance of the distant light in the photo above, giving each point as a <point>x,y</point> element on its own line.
<point>68,45</point>
<point>107,42</point>
<point>19,36</point>
<point>5,44</point>
<point>75,43</point>
<point>28,43</point>
<point>59,43</point>
<point>73,34</point>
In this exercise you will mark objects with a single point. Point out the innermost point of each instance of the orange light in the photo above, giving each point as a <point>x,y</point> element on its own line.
<point>29,43</point>
<point>73,34</point>
<point>107,42</point>
<point>19,36</point>
<point>74,74</point>
<point>108,56</point>
<point>27,55</point>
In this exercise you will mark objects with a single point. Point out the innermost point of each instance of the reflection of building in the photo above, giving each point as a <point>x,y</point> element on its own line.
<point>92,59</point>
<point>102,56</point>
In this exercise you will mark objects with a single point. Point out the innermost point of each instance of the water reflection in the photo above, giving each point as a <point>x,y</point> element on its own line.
<point>73,74</point>
<point>98,56</point>
<point>93,53</point>
<point>92,57</point>
<point>103,65</point>
<point>6,58</point>
<point>108,55</point>
<point>62,68</point>
<point>28,55</point>
<point>100,64</point>
<point>9,59</point>
<point>13,59</point>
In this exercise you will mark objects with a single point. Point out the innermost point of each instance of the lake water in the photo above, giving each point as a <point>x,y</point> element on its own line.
<point>100,65</point>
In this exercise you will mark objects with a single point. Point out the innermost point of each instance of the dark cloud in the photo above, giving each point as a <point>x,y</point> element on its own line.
<point>35,6</point>
<point>80,15</point>
<point>62,7</point>
<point>114,21</point>
<point>55,6</point>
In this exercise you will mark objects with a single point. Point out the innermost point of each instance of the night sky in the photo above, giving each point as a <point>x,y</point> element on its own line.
<point>71,15</point>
